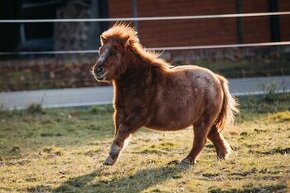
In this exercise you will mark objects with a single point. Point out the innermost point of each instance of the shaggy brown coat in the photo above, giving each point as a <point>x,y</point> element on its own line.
<point>149,92</point>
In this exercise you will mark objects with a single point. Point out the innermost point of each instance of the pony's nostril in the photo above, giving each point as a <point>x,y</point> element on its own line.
<point>99,70</point>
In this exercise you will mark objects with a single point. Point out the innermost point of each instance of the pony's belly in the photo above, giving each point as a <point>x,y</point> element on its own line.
<point>172,116</point>
<point>160,128</point>
<point>169,124</point>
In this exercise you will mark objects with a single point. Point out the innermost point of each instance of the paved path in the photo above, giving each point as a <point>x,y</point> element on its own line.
<point>103,95</point>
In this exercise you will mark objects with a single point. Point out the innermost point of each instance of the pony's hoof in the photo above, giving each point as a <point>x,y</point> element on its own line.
<point>109,161</point>
<point>174,162</point>
<point>186,161</point>
<point>224,155</point>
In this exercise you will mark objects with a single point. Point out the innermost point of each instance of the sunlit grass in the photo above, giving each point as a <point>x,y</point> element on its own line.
<point>61,150</point>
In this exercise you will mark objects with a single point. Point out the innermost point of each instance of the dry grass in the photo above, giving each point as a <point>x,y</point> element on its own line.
<point>62,150</point>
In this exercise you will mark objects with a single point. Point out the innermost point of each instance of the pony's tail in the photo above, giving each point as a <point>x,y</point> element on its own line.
<point>229,107</point>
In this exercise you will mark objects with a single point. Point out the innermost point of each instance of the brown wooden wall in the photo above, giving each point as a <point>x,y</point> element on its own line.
<point>203,31</point>
<point>284,5</point>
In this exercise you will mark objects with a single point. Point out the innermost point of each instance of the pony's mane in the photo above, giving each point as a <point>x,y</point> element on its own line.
<point>124,33</point>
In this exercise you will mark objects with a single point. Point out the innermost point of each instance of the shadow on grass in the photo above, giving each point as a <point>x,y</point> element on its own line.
<point>137,182</point>
<point>274,188</point>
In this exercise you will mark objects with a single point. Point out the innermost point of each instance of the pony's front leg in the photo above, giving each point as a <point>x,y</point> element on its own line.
<point>124,131</point>
<point>117,145</point>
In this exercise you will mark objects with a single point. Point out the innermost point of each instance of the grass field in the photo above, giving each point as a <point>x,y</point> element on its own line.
<point>61,150</point>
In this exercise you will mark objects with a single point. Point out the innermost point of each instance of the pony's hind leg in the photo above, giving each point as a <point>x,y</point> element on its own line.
<point>200,136</point>
<point>222,147</point>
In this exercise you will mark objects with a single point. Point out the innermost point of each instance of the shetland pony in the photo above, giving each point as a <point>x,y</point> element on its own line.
<point>149,92</point>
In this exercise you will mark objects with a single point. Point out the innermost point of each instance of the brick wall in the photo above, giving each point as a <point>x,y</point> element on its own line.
<point>204,31</point>
<point>256,29</point>
<point>284,5</point>
<point>180,32</point>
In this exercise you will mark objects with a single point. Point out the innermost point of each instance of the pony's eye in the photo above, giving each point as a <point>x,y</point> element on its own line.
<point>114,53</point>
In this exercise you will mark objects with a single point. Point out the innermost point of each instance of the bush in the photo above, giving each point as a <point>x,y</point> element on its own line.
<point>34,108</point>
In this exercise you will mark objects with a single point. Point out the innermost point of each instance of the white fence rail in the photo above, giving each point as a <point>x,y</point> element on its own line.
<point>120,19</point>
<point>282,43</point>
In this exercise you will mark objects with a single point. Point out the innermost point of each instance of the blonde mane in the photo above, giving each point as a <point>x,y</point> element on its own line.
<point>124,33</point>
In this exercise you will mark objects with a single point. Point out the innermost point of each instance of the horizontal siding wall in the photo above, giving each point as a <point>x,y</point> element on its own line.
<point>203,31</point>
<point>284,5</point>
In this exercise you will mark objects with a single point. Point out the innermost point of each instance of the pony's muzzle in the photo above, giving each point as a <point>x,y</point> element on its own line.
<point>100,73</point>
<point>99,70</point>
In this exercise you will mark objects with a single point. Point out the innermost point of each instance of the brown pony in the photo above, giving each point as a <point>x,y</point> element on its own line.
<point>149,92</point>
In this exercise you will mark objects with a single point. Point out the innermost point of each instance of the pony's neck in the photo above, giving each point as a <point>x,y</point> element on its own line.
<point>138,71</point>
<point>137,68</point>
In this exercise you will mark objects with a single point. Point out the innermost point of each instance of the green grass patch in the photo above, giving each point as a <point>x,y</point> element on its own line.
<point>61,150</point>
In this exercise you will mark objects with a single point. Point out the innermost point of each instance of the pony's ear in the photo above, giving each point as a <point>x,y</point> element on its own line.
<point>126,41</point>
<point>103,39</point>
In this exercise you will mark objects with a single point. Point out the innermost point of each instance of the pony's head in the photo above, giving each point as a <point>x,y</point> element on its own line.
<point>119,46</point>
<point>113,53</point>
